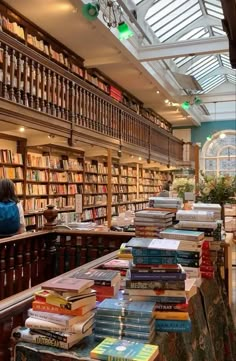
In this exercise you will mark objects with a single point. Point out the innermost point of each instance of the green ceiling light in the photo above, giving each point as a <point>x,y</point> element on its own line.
<point>208,137</point>
<point>197,101</point>
<point>90,11</point>
<point>185,105</point>
<point>124,31</point>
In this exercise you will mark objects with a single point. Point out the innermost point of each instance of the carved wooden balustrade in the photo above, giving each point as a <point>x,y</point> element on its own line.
<point>31,80</point>
<point>13,310</point>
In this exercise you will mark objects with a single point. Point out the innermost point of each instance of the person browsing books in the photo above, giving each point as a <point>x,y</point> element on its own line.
<point>11,211</point>
<point>165,192</point>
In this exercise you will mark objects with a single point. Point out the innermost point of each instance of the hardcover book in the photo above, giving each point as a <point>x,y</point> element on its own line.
<point>46,307</point>
<point>173,233</point>
<point>63,320</point>
<point>114,306</point>
<point>173,325</point>
<point>112,349</point>
<point>25,334</point>
<point>99,276</point>
<point>67,284</point>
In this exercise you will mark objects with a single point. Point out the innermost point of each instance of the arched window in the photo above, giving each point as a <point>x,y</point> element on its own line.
<point>219,154</point>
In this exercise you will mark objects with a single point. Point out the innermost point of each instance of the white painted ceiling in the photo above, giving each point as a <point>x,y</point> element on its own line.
<point>123,62</point>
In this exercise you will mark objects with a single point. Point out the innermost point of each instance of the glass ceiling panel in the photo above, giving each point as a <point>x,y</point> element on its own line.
<point>216,84</point>
<point>195,34</point>
<point>215,14</point>
<point>181,26</point>
<point>217,31</point>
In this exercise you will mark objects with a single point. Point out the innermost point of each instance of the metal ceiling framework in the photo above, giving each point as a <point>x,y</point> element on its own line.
<point>189,32</point>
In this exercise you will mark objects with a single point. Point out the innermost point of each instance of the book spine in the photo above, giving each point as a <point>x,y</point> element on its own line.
<point>50,317</point>
<point>180,307</point>
<point>173,326</point>
<point>188,262</point>
<point>154,260</point>
<point>157,277</point>
<point>56,336</point>
<point>175,316</point>
<point>188,254</point>
<point>161,299</point>
<point>152,252</point>
<point>176,285</point>
<point>45,307</point>
<point>40,340</point>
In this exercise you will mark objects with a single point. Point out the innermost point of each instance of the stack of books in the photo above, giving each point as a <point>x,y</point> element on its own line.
<point>150,223</point>
<point>196,219</point>
<point>123,319</point>
<point>209,207</point>
<point>106,282</point>
<point>155,276</point>
<point>61,315</point>
<point>114,349</point>
<point>194,252</point>
<point>121,265</point>
<point>165,203</point>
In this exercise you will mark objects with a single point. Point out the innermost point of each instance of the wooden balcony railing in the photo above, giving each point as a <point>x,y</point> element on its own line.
<point>31,80</point>
<point>31,258</point>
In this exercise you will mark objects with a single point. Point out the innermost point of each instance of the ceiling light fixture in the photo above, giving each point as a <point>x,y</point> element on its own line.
<point>139,158</point>
<point>157,92</point>
<point>124,31</point>
<point>91,10</point>
<point>222,135</point>
<point>187,103</point>
<point>22,129</point>
<point>167,101</point>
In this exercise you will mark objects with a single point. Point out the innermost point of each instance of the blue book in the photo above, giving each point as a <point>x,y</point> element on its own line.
<point>188,254</point>
<point>125,326</point>
<point>158,299</point>
<point>114,306</point>
<point>155,260</point>
<point>182,234</point>
<point>148,252</point>
<point>107,332</point>
<point>147,276</point>
<point>173,325</point>
<point>189,262</point>
<point>130,319</point>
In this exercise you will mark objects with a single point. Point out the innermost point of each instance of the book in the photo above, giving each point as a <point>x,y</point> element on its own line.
<point>67,284</point>
<point>171,315</point>
<point>168,285</point>
<point>63,320</point>
<point>195,215</point>
<point>154,260</point>
<point>154,244</point>
<point>117,307</point>
<point>52,299</point>
<point>131,325</point>
<point>99,276</point>
<point>164,299</point>
<point>154,214</point>
<point>112,349</point>
<point>125,333</point>
<point>177,307</point>
<point>155,292</point>
<point>182,234</point>
<point>195,225</point>
<point>25,334</point>
<point>46,307</point>
<point>147,276</point>
<point>173,325</point>
<point>80,327</point>
<point>57,335</point>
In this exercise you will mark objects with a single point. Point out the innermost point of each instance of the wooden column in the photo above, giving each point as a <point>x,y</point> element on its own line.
<point>196,161</point>
<point>109,187</point>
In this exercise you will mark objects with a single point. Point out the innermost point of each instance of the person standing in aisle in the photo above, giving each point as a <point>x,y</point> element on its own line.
<point>11,211</point>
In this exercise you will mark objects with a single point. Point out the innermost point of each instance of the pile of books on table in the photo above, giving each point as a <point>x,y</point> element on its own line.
<point>61,315</point>
<point>196,219</point>
<point>155,276</point>
<point>106,282</point>
<point>149,223</point>
<point>194,252</point>
<point>125,252</point>
<point>121,265</point>
<point>123,319</point>
<point>165,203</point>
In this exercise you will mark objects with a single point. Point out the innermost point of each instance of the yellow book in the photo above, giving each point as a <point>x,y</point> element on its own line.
<point>172,315</point>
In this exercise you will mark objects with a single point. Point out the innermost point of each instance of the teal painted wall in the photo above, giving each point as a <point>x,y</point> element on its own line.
<point>199,134</point>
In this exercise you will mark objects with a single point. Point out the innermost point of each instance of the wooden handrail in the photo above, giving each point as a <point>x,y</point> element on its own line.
<point>36,82</point>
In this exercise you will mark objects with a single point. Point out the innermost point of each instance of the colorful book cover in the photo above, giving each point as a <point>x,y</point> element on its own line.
<point>144,320</point>
<point>154,260</point>
<point>155,292</point>
<point>126,326</point>
<point>125,332</point>
<point>164,299</point>
<point>122,350</point>
<point>177,307</point>
<point>171,315</point>
<point>46,307</point>
<point>147,276</point>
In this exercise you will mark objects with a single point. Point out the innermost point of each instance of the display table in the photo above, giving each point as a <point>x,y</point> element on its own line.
<point>213,336</point>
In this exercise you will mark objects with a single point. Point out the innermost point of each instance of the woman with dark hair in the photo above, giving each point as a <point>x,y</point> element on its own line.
<point>11,211</point>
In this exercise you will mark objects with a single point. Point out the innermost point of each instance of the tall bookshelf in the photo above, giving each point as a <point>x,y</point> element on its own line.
<point>53,174</point>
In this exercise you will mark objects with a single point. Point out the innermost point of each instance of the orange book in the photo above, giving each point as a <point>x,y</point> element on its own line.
<point>46,307</point>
